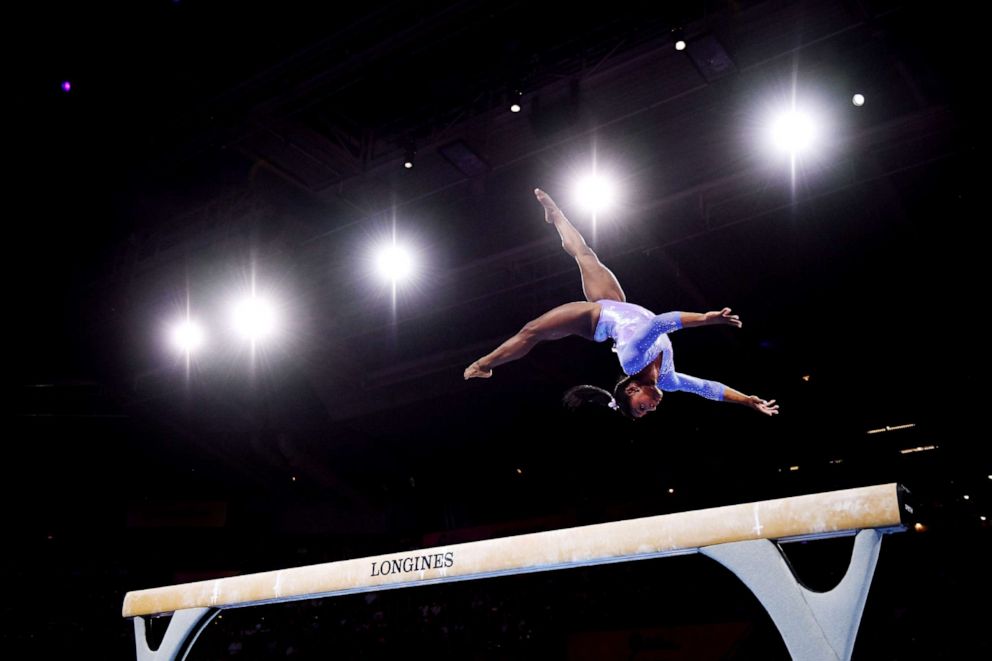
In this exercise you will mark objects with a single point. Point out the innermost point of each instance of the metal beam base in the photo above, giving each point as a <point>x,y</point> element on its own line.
<point>184,628</point>
<point>816,626</point>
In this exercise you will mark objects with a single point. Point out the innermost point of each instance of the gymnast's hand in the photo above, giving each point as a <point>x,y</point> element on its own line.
<point>473,371</point>
<point>768,407</point>
<point>723,318</point>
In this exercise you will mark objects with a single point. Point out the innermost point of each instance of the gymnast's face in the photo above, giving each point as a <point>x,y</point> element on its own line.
<point>643,399</point>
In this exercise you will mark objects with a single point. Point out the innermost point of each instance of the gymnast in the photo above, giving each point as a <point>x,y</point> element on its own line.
<point>640,338</point>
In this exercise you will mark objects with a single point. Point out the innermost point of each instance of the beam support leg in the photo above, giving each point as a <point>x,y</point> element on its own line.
<point>816,626</point>
<point>184,628</point>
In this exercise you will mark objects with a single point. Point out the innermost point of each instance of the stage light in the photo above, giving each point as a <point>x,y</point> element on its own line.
<point>66,86</point>
<point>187,336</point>
<point>680,45</point>
<point>515,97</point>
<point>858,100</point>
<point>394,263</point>
<point>793,132</point>
<point>254,318</point>
<point>595,193</point>
<point>408,158</point>
<point>888,428</point>
<point>919,448</point>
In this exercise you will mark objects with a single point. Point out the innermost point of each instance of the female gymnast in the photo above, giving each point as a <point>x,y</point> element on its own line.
<point>640,337</point>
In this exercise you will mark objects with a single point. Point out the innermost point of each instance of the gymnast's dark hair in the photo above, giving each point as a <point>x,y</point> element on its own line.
<point>582,396</point>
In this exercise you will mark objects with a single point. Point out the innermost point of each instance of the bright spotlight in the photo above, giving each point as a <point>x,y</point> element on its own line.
<point>793,132</point>
<point>254,318</point>
<point>680,45</point>
<point>595,193</point>
<point>394,263</point>
<point>858,100</point>
<point>187,336</point>
<point>515,107</point>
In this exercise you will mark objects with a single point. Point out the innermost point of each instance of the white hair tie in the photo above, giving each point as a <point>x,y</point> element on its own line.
<point>613,404</point>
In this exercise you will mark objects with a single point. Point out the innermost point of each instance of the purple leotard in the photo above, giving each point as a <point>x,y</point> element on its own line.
<point>639,336</point>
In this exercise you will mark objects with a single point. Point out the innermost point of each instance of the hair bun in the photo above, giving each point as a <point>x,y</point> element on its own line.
<point>580,396</point>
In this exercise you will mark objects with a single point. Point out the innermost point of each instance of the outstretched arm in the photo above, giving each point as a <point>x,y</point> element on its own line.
<point>703,387</point>
<point>716,391</point>
<point>717,318</point>
<point>670,322</point>
<point>767,407</point>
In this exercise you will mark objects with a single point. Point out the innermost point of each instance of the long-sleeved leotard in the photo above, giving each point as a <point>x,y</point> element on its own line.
<point>639,336</point>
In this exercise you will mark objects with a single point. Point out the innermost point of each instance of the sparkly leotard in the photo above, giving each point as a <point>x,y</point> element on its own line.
<point>639,336</point>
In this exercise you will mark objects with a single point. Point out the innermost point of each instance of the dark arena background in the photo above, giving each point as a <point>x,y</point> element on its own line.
<point>166,159</point>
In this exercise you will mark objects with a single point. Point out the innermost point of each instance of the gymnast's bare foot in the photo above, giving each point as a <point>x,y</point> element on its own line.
<point>473,371</point>
<point>550,208</point>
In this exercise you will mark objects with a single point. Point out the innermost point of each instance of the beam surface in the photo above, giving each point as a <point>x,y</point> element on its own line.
<point>800,517</point>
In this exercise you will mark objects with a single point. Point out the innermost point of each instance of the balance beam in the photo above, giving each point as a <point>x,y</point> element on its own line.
<point>737,536</point>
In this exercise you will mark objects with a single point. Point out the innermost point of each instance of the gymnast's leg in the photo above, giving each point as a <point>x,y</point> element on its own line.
<point>569,319</point>
<point>598,282</point>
